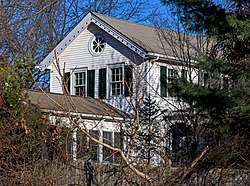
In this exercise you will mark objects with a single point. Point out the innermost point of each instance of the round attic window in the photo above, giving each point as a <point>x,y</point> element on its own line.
<point>97,44</point>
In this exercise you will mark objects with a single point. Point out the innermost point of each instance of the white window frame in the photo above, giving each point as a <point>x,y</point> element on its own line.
<point>100,44</point>
<point>110,67</point>
<point>172,77</point>
<point>100,149</point>
<point>73,81</point>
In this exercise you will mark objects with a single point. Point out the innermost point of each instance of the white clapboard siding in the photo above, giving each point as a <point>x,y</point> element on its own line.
<point>55,80</point>
<point>77,55</point>
<point>168,103</point>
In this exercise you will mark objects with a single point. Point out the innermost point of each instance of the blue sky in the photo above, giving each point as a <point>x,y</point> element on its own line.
<point>160,9</point>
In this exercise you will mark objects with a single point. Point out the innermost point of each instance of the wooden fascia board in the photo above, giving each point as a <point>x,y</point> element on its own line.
<point>84,116</point>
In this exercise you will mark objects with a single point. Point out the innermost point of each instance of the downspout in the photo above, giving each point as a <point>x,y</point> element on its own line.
<point>151,61</point>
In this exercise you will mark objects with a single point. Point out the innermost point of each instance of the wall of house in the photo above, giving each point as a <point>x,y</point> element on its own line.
<point>96,124</point>
<point>77,56</point>
<point>154,86</point>
<point>146,75</point>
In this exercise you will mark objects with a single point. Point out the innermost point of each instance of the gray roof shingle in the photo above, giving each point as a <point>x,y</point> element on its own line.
<point>75,104</point>
<point>152,39</point>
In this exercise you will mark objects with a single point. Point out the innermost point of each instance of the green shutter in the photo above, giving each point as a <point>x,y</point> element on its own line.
<point>91,83</point>
<point>128,80</point>
<point>67,82</point>
<point>102,83</point>
<point>163,81</point>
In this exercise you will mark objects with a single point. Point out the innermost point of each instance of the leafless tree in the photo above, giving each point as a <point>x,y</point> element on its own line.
<point>35,27</point>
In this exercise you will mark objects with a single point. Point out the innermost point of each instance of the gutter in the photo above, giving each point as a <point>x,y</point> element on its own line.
<point>167,58</point>
<point>85,116</point>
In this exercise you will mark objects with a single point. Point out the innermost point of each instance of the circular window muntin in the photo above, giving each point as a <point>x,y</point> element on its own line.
<point>97,44</point>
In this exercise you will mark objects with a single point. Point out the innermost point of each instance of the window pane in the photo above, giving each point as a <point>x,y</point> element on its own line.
<point>80,91</point>
<point>80,81</point>
<point>163,81</point>
<point>172,74</point>
<point>94,147</point>
<point>116,81</point>
<point>117,144</point>
<point>81,145</point>
<point>206,79</point>
<point>184,73</point>
<point>107,153</point>
<point>80,84</point>
<point>76,79</point>
<point>80,78</point>
<point>119,88</point>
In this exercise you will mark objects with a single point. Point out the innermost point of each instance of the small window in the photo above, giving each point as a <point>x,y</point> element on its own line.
<point>107,153</point>
<point>184,74</point>
<point>117,144</point>
<point>82,145</point>
<point>113,139</point>
<point>116,81</point>
<point>83,82</point>
<point>97,44</point>
<point>120,80</point>
<point>172,74</point>
<point>167,75</point>
<point>88,149</point>
<point>94,147</point>
<point>80,84</point>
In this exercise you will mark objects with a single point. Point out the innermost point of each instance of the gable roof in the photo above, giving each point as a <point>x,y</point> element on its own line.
<point>75,104</point>
<point>142,39</point>
<point>147,37</point>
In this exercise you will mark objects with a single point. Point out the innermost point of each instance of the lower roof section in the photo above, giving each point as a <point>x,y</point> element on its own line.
<point>86,106</point>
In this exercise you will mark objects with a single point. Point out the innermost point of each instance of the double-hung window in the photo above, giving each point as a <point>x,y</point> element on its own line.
<point>86,148</point>
<point>107,153</point>
<point>121,80</point>
<point>83,82</point>
<point>113,139</point>
<point>80,83</point>
<point>184,74</point>
<point>167,75</point>
<point>117,81</point>
<point>172,74</point>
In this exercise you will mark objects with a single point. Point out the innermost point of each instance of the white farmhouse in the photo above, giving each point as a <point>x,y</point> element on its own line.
<point>119,62</point>
<point>101,55</point>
